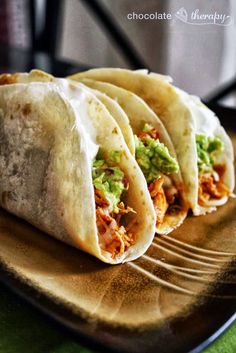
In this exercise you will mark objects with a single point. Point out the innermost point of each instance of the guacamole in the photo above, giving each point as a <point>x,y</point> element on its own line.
<point>153,156</point>
<point>109,181</point>
<point>207,147</point>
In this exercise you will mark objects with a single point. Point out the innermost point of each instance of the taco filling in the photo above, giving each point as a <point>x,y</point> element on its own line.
<point>110,186</point>
<point>210,174</point>
<point>156,163</point>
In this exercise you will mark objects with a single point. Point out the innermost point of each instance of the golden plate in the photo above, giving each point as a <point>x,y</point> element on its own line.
<point>183,282</point>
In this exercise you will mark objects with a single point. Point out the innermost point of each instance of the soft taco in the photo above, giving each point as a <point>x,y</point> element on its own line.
<point>147,140</point>
<point>154,153</point>
<point>203,148</point>
<point>66,169</point>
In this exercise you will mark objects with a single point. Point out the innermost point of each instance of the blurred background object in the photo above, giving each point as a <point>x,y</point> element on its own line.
<point>198,57</point>
<point>14,23</point>
<point>201,57</point>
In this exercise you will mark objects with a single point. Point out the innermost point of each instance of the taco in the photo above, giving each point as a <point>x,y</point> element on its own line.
<point>153,149</point>
<point>66,169</point>
<point>154,153</point>
<point>203,148</point>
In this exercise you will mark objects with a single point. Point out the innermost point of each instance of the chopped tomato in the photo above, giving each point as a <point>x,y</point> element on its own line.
<point>153,133</point>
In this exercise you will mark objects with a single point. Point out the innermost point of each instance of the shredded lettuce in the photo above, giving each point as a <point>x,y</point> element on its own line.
<point>109,181</point>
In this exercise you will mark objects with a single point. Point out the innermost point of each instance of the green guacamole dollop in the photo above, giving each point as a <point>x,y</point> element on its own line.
<point>207,147</point>
<point>153,158</point>
<point>110,181</point>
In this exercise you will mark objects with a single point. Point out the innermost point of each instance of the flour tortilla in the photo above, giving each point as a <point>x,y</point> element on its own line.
<point>183,117</point>
<point>48,144</point>
<point>139,114</point>
<point>131,113</point>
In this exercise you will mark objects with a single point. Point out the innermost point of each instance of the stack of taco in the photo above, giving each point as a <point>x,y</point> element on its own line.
<point>204,150</point>
<point>106,158</point>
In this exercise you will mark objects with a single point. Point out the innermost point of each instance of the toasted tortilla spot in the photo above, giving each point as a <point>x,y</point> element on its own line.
<point>26,110</point>
<point>7,79</point>
<point>186,132</point>
<point>41,75</point>
<point>115,130</point>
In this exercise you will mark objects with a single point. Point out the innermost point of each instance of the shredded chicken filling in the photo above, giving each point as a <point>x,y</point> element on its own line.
<point>211,185</point>
<point>113,237</point>
<point>164,194</point>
